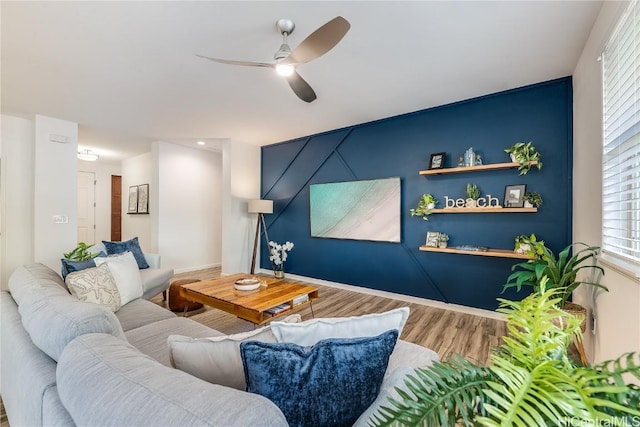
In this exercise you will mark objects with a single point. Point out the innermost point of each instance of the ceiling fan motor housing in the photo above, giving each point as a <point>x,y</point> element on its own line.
<point>285,26</point>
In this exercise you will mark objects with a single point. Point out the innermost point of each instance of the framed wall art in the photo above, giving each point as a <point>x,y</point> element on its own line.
<point>143,198</point>
<point>514,196</point>
<point>437,161</point>
<point>133,199</point>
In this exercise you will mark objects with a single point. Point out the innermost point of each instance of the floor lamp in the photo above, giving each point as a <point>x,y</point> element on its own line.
<point>259,207</point>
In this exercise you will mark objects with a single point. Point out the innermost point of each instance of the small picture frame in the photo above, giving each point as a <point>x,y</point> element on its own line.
<point>133,199</point>
<point>143,199</point>
<point>437,161</point>
<point>432,238</point>
<point>514,196</point>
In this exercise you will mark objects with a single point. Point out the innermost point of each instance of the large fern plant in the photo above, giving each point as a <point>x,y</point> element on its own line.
<point>530,381</point>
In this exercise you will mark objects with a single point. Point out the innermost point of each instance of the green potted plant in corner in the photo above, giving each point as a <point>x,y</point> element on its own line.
<point>530,381</point>
<point>80,253</point>
<point>532,200</point>
<point>473,193</point>
<point>425,206</point>
<point>524,154</point>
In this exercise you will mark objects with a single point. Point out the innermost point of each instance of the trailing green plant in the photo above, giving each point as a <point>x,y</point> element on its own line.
<point>561,271</point>
<point>80,253</point>
<point>423,210</point>
<point>530,381</point>
<point>525,154</point>
<point>473,191</point>
<point>534,198</point>
<point>528,245</point>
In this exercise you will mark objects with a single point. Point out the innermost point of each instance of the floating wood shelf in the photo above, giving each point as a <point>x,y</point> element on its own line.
<point>500,253</point>
<point>494,166</point>
<point>484,210</point>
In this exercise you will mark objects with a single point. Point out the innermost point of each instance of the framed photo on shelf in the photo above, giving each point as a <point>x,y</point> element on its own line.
<point>133,199</point>
<point>432,238</point>
<point>514,196</point>
<point>437,161</point>
<point>143,198</point>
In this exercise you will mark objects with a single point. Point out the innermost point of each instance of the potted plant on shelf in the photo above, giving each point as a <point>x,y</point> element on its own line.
<point>425,206</point>
<point>532,200</point>
<point>528,245</point>
<point>443,238</point>
<point>530,381</point>
<point>473,193</point>
<point>524,154</point>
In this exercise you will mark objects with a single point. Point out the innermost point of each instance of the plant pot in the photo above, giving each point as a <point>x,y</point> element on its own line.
<point>279,274</point>
<point>431,206</point>
<point>523,249</point>
<point>528,204</point>
<point>513,158</point>
<point>578,311</point>
<point>442,245</point>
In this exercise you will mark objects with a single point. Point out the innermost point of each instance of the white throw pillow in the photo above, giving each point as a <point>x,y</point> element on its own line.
<point>126,273</point>
<point>95,285</point>
<point>308,333</point>
<point>217,360</point>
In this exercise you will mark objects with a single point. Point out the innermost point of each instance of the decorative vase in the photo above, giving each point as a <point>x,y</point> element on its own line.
<point>513,158</point>
<point>527,204</point>
<point>442,245</point>
<point>431,206</point>
<point>279,274</point>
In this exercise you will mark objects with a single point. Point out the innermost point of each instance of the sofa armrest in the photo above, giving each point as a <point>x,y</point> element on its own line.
<point>153,260</point>
<point>105,381</point>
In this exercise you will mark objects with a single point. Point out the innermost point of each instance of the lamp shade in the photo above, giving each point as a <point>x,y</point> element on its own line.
<point>261,206</point>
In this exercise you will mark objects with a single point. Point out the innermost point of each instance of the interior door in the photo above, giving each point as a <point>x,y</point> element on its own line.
<point>87,207</point>
<point>116,208</point>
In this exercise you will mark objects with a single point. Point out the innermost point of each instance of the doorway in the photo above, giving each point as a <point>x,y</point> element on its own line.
<point>87,207</point>
<point>116,208</point>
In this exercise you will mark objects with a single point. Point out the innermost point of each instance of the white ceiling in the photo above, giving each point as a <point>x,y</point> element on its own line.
<point>127,74</point>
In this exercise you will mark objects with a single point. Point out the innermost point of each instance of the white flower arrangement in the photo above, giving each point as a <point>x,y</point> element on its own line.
<point>278,253</point>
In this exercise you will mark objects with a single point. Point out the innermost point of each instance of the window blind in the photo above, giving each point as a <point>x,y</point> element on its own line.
<point>621,140</point>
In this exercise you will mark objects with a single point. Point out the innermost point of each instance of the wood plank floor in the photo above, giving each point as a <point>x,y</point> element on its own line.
<point>444,331</point>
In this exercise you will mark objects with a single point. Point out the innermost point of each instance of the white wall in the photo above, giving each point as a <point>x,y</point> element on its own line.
<point>189,221</point>
<point>618,311</point>
<point>241,182</point>
<point>55,190</point>
<point>103,171</point>
<point>17,194</point>
<point>136,171</point>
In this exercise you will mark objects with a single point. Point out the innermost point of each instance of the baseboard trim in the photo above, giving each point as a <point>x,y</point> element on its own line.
<point>200,267</point>
<point>386,294</point>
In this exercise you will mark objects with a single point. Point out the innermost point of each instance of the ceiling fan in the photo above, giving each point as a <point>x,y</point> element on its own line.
<point>286,60</point>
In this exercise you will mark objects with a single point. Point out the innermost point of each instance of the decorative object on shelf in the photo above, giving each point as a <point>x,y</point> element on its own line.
<point>473,193</point>
<point>478,160</point>
<point>531,380</point>
<point>259,207</point>
<point>469,157</point>
<point>437,161</point>
<point>461,162</point>
<point>514,196</point>
<point>138,199</point>
<point>561,271</point>
<point>443,238</point>
<point>524,154</point>
<point>278,255</point>
<point>133,199</point>
<point>527,245</point>
<point>472,248</point>
<point>482,202</point>
<point>426,204</point>
<point>532,200</point>
<point>432,239</point>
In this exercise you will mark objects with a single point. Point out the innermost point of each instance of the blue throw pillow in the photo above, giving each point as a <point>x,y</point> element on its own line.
<point>130,245</point>
<point>71,266</point>
<point>329,384</point>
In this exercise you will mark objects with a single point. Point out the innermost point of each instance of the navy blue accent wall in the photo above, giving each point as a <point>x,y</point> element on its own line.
<point>401,146</point>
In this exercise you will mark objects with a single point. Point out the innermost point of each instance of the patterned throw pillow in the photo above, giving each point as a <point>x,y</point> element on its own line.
<point>95,285</point>
<point>329,384</point>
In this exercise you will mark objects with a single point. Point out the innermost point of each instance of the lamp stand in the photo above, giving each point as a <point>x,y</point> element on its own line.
<point>255,240</point>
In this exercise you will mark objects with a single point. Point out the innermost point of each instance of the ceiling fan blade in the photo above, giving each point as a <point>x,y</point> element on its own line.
<point>319,42</point>
<point>232,62</point>
<point>301,87</point>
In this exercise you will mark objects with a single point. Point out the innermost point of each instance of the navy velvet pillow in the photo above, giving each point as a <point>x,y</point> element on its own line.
<point>329,384</point>
<point>71,266</point>
<point>130,245</point>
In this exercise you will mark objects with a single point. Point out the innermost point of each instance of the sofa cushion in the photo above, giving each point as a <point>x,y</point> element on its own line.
<point>369,325</point>
<point>125,271</point>
<point>98,373</point>
<point>328,384</point>
<point>151,339</point>
<point>217,359</point>
<point>95,285</point>
<point>53,317</point>
<point>30,277</point>
<point>132,246</point>
<point>140,312</point>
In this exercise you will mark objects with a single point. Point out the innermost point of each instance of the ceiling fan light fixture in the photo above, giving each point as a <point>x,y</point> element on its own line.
<point>285,70</point>
<point>87,155</point>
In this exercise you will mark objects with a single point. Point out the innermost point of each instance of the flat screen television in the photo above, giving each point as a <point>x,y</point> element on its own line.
<point>357,210</point>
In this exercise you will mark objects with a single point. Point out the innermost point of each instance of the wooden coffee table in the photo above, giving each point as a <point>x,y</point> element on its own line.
<point>250,305</point>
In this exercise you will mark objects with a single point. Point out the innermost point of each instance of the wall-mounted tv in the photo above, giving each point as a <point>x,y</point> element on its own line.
<point>358,210</point>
